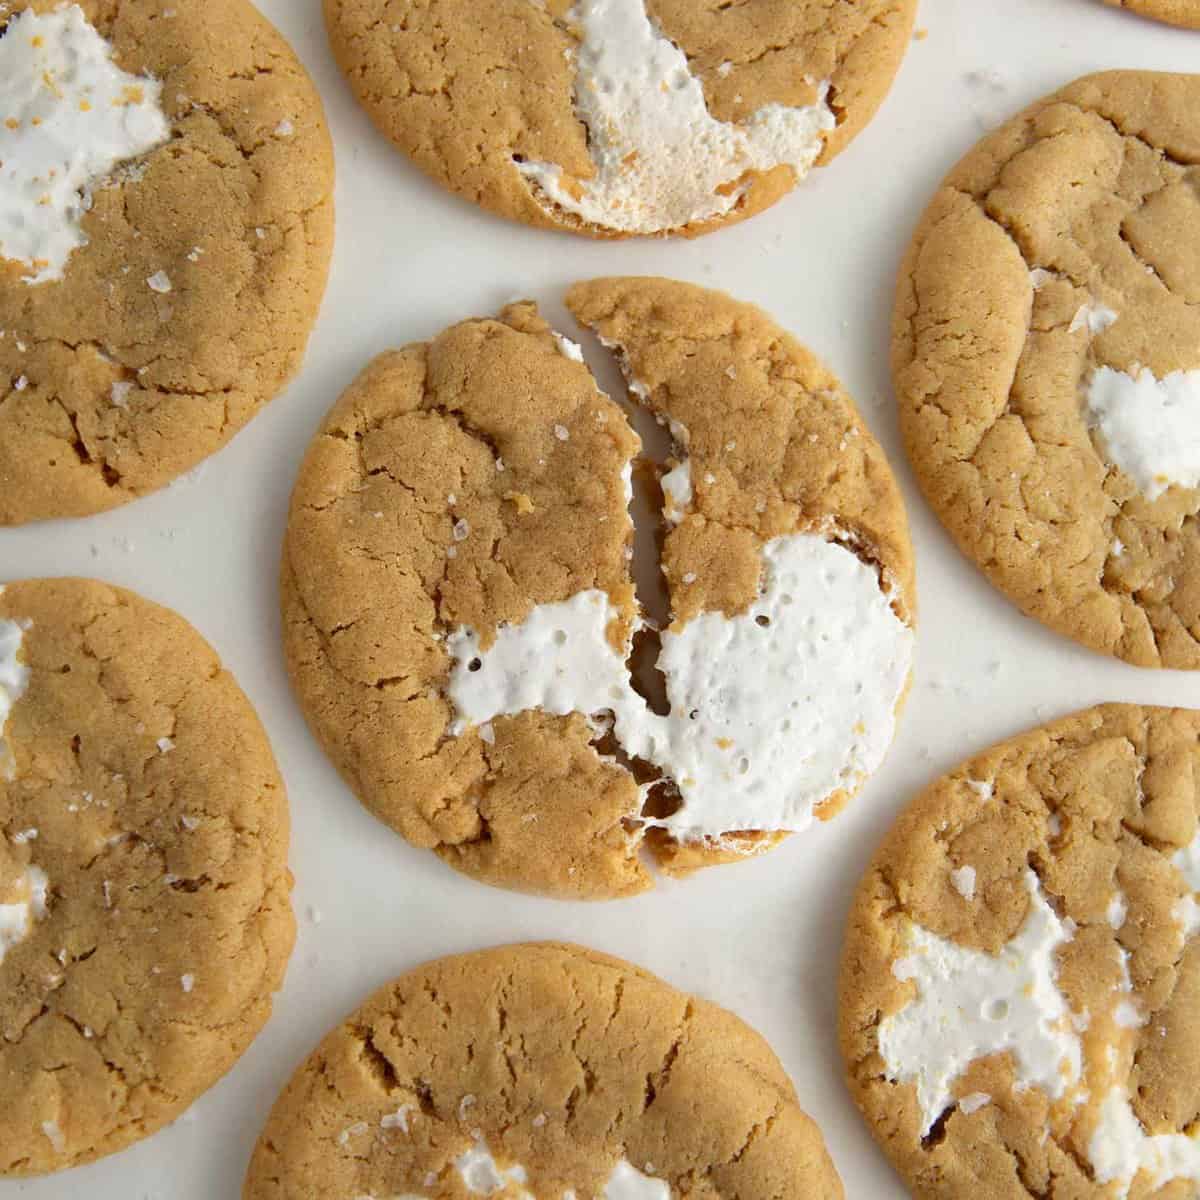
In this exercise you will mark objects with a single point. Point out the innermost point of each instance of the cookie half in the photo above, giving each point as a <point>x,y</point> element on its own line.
<point>166,222</point>
<point>144,912</point>
<point>539,1070</point>
<point>463,628</point>
<point>1173,12</point>
<point>1020,988</point>
<point>1046,357</point>
<point>620,117</point>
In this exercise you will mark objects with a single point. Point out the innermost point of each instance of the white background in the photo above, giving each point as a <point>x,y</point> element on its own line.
<point>761,938</point>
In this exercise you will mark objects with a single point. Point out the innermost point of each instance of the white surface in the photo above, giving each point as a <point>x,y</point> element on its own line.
<point>76,116</point>
<point>762,937</point>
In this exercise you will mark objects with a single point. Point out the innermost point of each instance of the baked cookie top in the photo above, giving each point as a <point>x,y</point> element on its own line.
<point>1046,357</point>
<point>460,616</point>
<point>620,117</point>
<point>1173,12</point>
<point>144,913</point>
<point>539,1070</point>
<point>166,221</point>
<point>1020,989</point>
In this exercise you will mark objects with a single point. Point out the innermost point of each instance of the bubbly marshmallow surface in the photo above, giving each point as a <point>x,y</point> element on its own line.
<point>68,117</point>
<point>662,161</point>
<point>771,712</point>
<point>1149,427</point>
<point>1120,1148</point>
<point>969,1005</point>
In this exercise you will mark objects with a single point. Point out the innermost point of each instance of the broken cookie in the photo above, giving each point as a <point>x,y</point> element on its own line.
<point>479,653</point>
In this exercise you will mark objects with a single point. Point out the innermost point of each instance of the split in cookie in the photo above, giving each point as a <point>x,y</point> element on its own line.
<point>460,605</point>
<point>539,1070</point>
<point>1046,356</point>
<point>1020,988</point>
<point>1173,12</point>
<point>166,221</point>
<point>144,911</point>
<point>620,117</point>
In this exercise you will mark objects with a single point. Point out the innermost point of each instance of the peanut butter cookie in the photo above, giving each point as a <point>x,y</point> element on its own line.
<point>1046,356</point>
<point>464,630</point>
<point>539,1070</point>
<point>620,117</point>
<point>1020,991</point>
<point>144,913</point>
<point>166,222</point>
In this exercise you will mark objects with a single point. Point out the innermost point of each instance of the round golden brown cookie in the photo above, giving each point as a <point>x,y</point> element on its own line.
<point>1020,987</point>
<point>1173,12</point>
<point>155,302</point>
<point>544,1070</point>
<point>144,913</point>
<point>1046,356</point>
<point>620,117</point>
<point>461,621</point>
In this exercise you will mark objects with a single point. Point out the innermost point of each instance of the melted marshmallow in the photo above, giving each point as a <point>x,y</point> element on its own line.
<point>17,917</point>
<point>661,160</point>
<point>559,659</point>
<point>963,880</point>
<point>771,712</point>
<point>1093,316</point>
<point>68,116</point>
<point>777,709</point>
<point>1187,862</point>
<point>1120,1148</point>
<point>14,679</point>
<point>969,1005</point>
<point>628,1183</point>
<point>677,492</point>
<point>482,1176</point>
<point>1149,427</point>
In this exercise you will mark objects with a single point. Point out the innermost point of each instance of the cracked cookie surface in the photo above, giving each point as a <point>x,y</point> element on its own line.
<point>1062,867</point>
<point>473,101</point>
<point>191,303</point>
<point>477,481</point>
<point>1061,253</point>
<point>545,1070</point>
<point>1173,12</point>
<point>142,793</point>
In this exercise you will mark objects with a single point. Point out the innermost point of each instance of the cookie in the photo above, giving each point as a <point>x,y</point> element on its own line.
<point>1020,988</point>
<point>620,117</point>
<point>462,624</point>
<point>1173,12</point>
<point>1046,358</point>
<point>144,912</point>
<point>544,1070</point>
<point>166,222</point>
